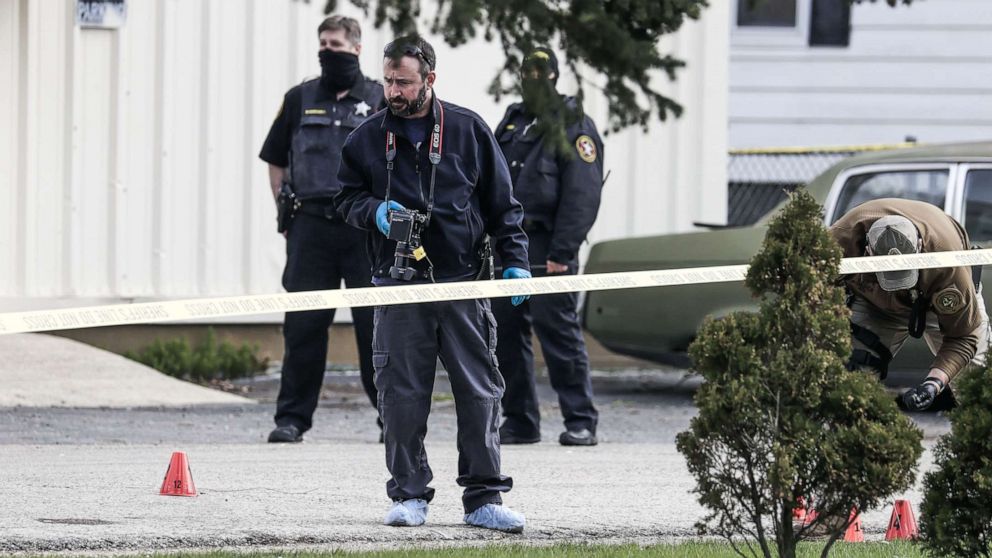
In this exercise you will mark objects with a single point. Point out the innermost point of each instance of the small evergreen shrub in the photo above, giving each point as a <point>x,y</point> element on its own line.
<point>956,514</point>
<point>780,417</point>
<point>210,360</point>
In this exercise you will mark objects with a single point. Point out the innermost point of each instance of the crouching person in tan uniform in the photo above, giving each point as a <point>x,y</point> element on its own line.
<point>944,306</point>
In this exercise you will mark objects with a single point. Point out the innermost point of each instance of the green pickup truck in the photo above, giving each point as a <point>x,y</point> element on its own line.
<point>659,323</point>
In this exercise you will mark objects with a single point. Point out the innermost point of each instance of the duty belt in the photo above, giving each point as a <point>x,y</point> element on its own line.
<point>320,209</point>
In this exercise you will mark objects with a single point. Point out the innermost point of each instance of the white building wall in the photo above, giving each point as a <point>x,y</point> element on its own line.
<point>128,157</point>
<point>923,70</point>
<point>10,153</point>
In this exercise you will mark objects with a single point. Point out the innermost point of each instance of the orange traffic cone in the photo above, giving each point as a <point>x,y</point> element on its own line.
<point>178,479</point>
<point>799,512</point>
<point>803,514</point>
<point>902,524</point>
<point>854,533</point>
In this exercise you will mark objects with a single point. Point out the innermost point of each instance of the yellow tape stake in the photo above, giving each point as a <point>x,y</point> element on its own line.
<point>173,310</point>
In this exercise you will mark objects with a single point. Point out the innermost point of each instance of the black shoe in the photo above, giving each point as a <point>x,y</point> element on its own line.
<point>285,435</point>
<point>578,438</point>
<point>509,437</point>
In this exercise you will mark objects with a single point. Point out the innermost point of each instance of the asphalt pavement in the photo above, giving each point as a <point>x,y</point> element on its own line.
<point>87,479</point>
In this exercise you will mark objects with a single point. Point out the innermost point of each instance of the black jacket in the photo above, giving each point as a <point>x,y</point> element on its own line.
<point>560,191</point>
<point>473,195</point>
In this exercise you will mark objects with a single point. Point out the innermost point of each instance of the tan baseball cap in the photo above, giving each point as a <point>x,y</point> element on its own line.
<point>894,235</point>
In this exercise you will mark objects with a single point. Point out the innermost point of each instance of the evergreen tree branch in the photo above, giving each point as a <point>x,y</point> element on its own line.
<point>614,38</point>
<point>617,39</point>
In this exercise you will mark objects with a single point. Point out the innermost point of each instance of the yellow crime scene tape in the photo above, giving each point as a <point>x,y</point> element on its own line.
<point>191,309</point>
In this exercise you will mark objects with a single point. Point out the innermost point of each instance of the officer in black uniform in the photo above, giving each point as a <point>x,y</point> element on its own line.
<point>559,187</point>
<point>303,150</point>
<point>436,164</point>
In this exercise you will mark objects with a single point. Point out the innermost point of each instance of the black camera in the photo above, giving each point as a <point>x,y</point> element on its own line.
<point>405,226</point>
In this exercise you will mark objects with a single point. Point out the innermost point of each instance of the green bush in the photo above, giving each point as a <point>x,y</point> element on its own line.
<point>780,417</point>
<point>207,361</point>
<point>956,514</point>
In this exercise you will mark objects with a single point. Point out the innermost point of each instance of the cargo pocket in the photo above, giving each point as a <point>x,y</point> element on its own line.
<point>380,359</point>
<point>545,188</point>
<point>313,133</point>
<point>313,160</point>
<point>490,326</point>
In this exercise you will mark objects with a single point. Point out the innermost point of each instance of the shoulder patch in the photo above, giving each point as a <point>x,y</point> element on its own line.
<point>948,301</point>
<point>586,148</point>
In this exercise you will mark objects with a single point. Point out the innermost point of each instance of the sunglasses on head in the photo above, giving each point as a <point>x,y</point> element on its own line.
<point>411,50</point>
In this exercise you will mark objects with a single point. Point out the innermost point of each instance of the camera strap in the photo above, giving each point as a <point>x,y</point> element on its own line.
<point>390,156</point>
<point>433,154</point>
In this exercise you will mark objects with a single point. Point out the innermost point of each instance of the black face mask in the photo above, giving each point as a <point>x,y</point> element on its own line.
<point>338,70</point>
<point>409,107</point>
<point>539,95</point>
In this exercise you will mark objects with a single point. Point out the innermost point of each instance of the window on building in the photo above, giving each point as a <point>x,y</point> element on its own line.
<point>830,23</point>
<point>766,13</point>
<point>978,206</point>
<point>928,185</point>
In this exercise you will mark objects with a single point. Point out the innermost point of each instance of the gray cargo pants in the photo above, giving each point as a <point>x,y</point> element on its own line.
<point>408,340</point>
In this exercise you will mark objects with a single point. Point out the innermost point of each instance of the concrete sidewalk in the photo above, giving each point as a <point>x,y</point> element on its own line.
<point>43,370</point>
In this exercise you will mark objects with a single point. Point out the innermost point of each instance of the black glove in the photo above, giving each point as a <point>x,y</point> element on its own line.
<point>922,396</point>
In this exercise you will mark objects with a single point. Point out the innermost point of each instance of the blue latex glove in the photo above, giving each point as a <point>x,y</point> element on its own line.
<point>517,273</point>
<point>382,216</point>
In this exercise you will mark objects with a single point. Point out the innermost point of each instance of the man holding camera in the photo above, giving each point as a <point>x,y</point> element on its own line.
<point>302,149</point>
<point>558,181</point>
<point>944,305</point>
<point>428,179</point>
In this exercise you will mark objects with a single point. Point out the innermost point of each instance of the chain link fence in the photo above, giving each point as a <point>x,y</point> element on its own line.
<point>759,179</point>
